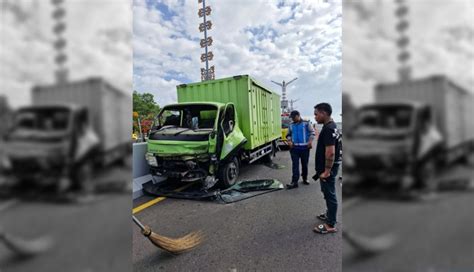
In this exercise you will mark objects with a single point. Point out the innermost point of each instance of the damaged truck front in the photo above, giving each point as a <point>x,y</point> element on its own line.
<point>69,131</point>
<point>414,130</point>
<point>214,128</point>
<point>47,146</point>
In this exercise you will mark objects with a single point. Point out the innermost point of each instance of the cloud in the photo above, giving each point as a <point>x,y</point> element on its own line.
<point>99,44</point>
<point>269,40</point>
<point>445,47</point>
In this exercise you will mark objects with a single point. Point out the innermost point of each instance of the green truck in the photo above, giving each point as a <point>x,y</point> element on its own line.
<point>215,126</point>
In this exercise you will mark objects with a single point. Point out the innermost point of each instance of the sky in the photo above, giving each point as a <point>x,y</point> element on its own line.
<point>442,42</point>
<point>99,44</point>
<point>268,40</point>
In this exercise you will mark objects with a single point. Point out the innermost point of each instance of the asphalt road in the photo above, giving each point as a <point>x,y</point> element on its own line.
<point>270,232</point>
<point>431,235</point>
<point>93,236</point>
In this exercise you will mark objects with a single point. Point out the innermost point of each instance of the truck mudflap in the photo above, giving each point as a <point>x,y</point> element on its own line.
<point>240,191</point>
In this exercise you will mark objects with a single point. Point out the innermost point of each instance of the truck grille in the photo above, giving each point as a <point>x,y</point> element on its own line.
<point>369,163</point>
<point>25,166</point>
<point>31,166</point>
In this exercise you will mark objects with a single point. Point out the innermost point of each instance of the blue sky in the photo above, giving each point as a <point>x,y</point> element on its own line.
<point>269,40</point>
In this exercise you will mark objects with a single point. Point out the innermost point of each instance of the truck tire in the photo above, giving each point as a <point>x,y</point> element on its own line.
<point>229,172</point>
<point>84,178</point>
<point>269,157</point>
<point>427,178</point>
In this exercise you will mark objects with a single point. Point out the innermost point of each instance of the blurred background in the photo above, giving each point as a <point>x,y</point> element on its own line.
<point>408,99</point>
<point>65,135</point>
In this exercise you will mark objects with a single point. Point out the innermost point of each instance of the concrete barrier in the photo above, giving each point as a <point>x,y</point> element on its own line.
<point>140,170</point>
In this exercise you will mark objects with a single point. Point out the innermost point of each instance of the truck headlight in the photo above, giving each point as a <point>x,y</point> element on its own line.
<point>348,160</point>
<point>5,163</point>
<point>151,159</point>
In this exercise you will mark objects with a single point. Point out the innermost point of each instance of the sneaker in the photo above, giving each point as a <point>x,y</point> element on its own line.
<point>305,182</point>
<point>291,186</point>
<point>323,217</point>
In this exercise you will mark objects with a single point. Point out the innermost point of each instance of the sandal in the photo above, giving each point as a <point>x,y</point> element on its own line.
<point>322,229</point>
<point>323,217</point>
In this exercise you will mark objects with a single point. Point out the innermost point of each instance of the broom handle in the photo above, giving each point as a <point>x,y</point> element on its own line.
<point>138,222</point>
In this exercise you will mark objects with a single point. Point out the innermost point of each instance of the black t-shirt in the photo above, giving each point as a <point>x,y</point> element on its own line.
<point>329,135</point>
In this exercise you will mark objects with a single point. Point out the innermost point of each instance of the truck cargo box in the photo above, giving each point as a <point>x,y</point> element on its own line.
<point>258,108</point>
<point>452,105</point>
<point>110,109</point>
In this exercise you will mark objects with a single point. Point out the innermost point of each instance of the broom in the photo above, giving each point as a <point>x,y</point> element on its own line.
<point>25,248</point>
<point>22,247</point>
<point>365,246</point>
<point>171,245</point>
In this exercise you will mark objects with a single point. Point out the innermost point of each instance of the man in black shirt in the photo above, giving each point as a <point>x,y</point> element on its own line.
<point>328,159</point>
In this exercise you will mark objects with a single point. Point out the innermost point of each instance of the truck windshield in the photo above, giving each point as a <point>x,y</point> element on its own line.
<point>47,120</point>
<point>192,117</point>
<point>385,118</point>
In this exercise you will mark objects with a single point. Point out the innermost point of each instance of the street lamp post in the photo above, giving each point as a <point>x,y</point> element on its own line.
<point>292,101</point>
<point>59,44</point>
<point>401,12</point>
<point>284,100</point>
<point>208,72</point>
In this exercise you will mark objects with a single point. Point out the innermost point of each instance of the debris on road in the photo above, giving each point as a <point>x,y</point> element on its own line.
<point>239,191</point>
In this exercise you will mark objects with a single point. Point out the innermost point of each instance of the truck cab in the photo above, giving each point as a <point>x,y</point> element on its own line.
<point>48,145</point>
<point>197,141</point>
<point>392,143</point>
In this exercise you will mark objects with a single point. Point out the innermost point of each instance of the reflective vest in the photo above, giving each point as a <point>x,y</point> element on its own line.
<point>300,133</point>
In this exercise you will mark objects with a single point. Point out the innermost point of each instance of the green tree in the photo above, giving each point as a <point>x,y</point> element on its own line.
<point>144,104</point>
<point>147,109</point>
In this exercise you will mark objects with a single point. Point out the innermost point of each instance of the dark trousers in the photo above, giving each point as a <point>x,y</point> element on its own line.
<point>328,187</point>
<point>298,155</point>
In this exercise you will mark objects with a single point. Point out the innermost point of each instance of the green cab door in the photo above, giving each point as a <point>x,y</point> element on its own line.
<point>233,138</point>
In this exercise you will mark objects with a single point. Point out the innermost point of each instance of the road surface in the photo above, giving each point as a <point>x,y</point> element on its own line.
<point>270,232</point>
<point>91,236</point>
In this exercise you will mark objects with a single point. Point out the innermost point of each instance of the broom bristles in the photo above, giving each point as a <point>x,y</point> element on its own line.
<point>174,245</point>
<point>369,245</point>
<point>26,248</point>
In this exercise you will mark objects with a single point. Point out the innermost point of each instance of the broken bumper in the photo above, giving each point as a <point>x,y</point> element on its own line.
<point>186,175</point>
<point>41,172</point>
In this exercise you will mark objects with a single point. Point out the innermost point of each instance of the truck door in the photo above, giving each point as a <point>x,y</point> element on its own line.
<point>232,135</point>
<point>84,137</point>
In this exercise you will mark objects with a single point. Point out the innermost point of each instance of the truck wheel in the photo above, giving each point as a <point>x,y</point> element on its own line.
<point>427,178</point>
<point>83,178</point>
<point>269,157</point>
<point>229,172</point>
<point>470,159</point>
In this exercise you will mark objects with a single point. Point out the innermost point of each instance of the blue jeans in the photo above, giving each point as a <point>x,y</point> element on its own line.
<point>298,155</point>
<point>328,188</point>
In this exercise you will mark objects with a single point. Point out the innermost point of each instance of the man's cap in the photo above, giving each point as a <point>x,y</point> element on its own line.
<point>294,113</point>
